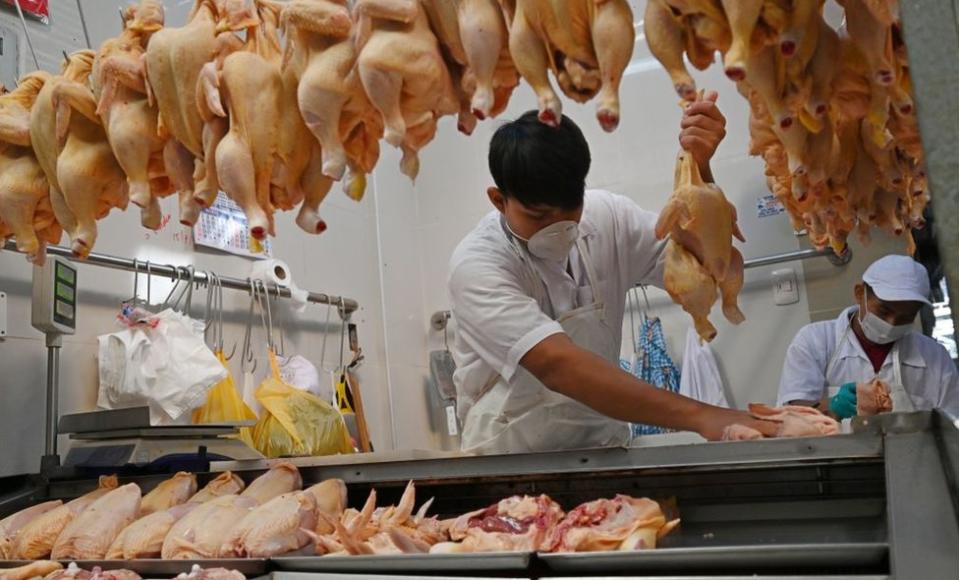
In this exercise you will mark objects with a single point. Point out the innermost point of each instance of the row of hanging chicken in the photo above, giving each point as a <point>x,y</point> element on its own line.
<point>831,111</point>
<point>272,102</point>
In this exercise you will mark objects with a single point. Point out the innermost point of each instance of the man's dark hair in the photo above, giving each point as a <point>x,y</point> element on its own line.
<point>539,165</point>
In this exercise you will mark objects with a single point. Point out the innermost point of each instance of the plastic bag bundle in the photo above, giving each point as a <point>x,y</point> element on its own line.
<point>224,405</point>
<point>295,422</point>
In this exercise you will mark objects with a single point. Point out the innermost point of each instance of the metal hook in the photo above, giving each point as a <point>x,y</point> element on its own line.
<point>136,281</point>
<point>207,315</point>
<point>149,282</point>
<point>282,351</point>
<point>342,330</point>
<point>247,355</point>
<point>326,332</point>
<point>174,277</point>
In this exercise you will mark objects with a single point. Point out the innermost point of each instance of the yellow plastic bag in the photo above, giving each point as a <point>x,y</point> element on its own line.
<point>224,404</point>
<point>296,422</point>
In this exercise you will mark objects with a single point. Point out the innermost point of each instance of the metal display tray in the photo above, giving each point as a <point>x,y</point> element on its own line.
<point>473,564</point>
<point>165,568</point>
<point>792,557</point>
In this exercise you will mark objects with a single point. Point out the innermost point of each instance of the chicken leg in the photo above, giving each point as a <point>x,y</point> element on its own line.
<point>665,38</point>
<point>690,286</point>
<point>613,39</point>
<point>743,16</point>
<point>532,62</point>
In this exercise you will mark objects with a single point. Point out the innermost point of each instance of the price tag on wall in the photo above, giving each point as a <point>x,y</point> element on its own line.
<point>223,226</point>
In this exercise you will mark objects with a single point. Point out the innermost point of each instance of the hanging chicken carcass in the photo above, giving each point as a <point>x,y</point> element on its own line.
<point>403,73</point>
<point>25,210</point>
<point>128,114</point>
<point>587,44</point>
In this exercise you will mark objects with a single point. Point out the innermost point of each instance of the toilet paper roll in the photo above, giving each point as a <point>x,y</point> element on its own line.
<point>278,272</point>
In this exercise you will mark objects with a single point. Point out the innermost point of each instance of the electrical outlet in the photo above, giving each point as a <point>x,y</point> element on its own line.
<point>785,287</point>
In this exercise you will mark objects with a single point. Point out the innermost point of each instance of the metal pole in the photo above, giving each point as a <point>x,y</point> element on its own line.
<point>932,37</point>
<point>83,23</point>
<point>54,342</point>
<point>107,261</point>
<point>801,255</point>
<point>26,33</point>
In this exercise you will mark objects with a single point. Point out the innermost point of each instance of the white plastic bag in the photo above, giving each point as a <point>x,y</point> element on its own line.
<point>300,373</point>
<point>700,378</point>
<point>162,362</point>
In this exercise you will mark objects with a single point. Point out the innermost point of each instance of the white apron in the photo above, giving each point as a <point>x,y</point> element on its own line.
<point>901,401</point>
<point>525,416</point>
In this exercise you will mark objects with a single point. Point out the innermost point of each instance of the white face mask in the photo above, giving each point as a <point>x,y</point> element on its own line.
<point>553,242</point>
<point>879,331</point>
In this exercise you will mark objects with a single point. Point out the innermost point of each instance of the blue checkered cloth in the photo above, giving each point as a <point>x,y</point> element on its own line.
<point>653,365</point>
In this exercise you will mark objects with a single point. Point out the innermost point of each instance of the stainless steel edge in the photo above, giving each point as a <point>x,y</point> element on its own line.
<point>736,455</point>
<point>429,563</point>
<point>147,568</point>
<point>923,533</point>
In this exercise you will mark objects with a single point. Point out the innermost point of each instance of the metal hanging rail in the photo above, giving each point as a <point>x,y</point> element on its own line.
<point>348,305</point>
<point>836,260</point>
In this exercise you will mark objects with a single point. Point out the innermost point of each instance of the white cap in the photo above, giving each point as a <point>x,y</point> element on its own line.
<point>897,278</point>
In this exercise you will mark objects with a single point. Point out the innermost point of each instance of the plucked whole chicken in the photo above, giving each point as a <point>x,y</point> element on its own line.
<point>831,111</point>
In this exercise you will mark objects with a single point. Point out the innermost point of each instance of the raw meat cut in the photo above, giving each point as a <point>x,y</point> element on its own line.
<point>174,491</point>
<point>89,536</point>
<point>74,572</point>
<point>227,483</point>
<point>32,570</point>
<point>518,523</point>
<point>796,420</point>
<point>11,525</point>
<point>331,500</point>
<point>621,523</point>
<point>144,537</point>
<point>200,533</point>
<point>282,478</point>
<point>280,525</point>
<point>873,397</point>
<point>198,573</point>
<point>36,539</point>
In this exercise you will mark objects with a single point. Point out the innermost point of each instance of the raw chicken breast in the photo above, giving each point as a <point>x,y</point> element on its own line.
<point>10,526</point>
<point>280,525</point>
<point>796,420</point>
<point>37,538</point>
<point>89,536</point>
<point>174,491</point>
<point>281,478</point>
<point>227,483</point>
<point>331,500</point>
<point>621,523</point>
<point>144,537</point>
<point>199,534</point>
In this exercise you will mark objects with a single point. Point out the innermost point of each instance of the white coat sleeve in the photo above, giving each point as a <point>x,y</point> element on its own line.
<point>645,254</point>
<point>949,395</point>
<point>804,370</point>
<point>495,316</point>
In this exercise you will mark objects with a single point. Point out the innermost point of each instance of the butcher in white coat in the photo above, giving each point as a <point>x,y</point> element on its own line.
<point>873,339</point>
<point>538,292</point>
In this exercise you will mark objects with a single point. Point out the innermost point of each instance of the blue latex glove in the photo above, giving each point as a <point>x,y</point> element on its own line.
<point>843,404</point>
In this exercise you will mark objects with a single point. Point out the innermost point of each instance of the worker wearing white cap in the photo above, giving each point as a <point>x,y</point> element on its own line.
<point>874,339</point>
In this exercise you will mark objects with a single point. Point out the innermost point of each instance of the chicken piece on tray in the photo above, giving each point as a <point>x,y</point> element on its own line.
<point>618,524</point>
<point>144,537</point>
<point>281,525</point>
<point>873,397</point>
<point>74,572</point>
<point>227,483</point>
<point>515,524</point>
<point>172,492</point>
<point>281,478</point>
<point>794,420</point>
<point>198,573</point>
<point>90,535</point>
<point>36,569</point>
<point>11,525</point>
<point>200,533</point>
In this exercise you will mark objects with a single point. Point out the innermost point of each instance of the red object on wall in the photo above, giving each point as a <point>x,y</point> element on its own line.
<point>38,8</point>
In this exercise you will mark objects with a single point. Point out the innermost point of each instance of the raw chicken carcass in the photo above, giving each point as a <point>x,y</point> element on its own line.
<point>36,539</point>
<point>587,44</point>
<point>518,523</point>
<point>690,285</point>
<point>743,16</point>
<point>227,483</point>
<point>200,533</point>
<point>874,40</point>
<point>402,71</point>
<point>128,114</point>
<point>281,525</point>
<point>666,38</point>
<point>89,536</point>
<point>618,524</point>
<point>246,88</point>
<point>198,573</point>
<point>144,537</point>
<point>331,500</point>
<point>796,420</point>
<point>282,478</point>
<point>87,173</point>
<point>873,397</point>
<point>11,525</point>
<point>174,491</point>
<point>38,569</point>
<point>24,192</point>
<point>737,432</point>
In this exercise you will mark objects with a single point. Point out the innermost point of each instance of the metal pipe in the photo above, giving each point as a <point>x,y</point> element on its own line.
<point>83,22</point>
<point>53,396</point>
<point>26,33</point>
<point>801,255</point>
<point>95,259</point>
